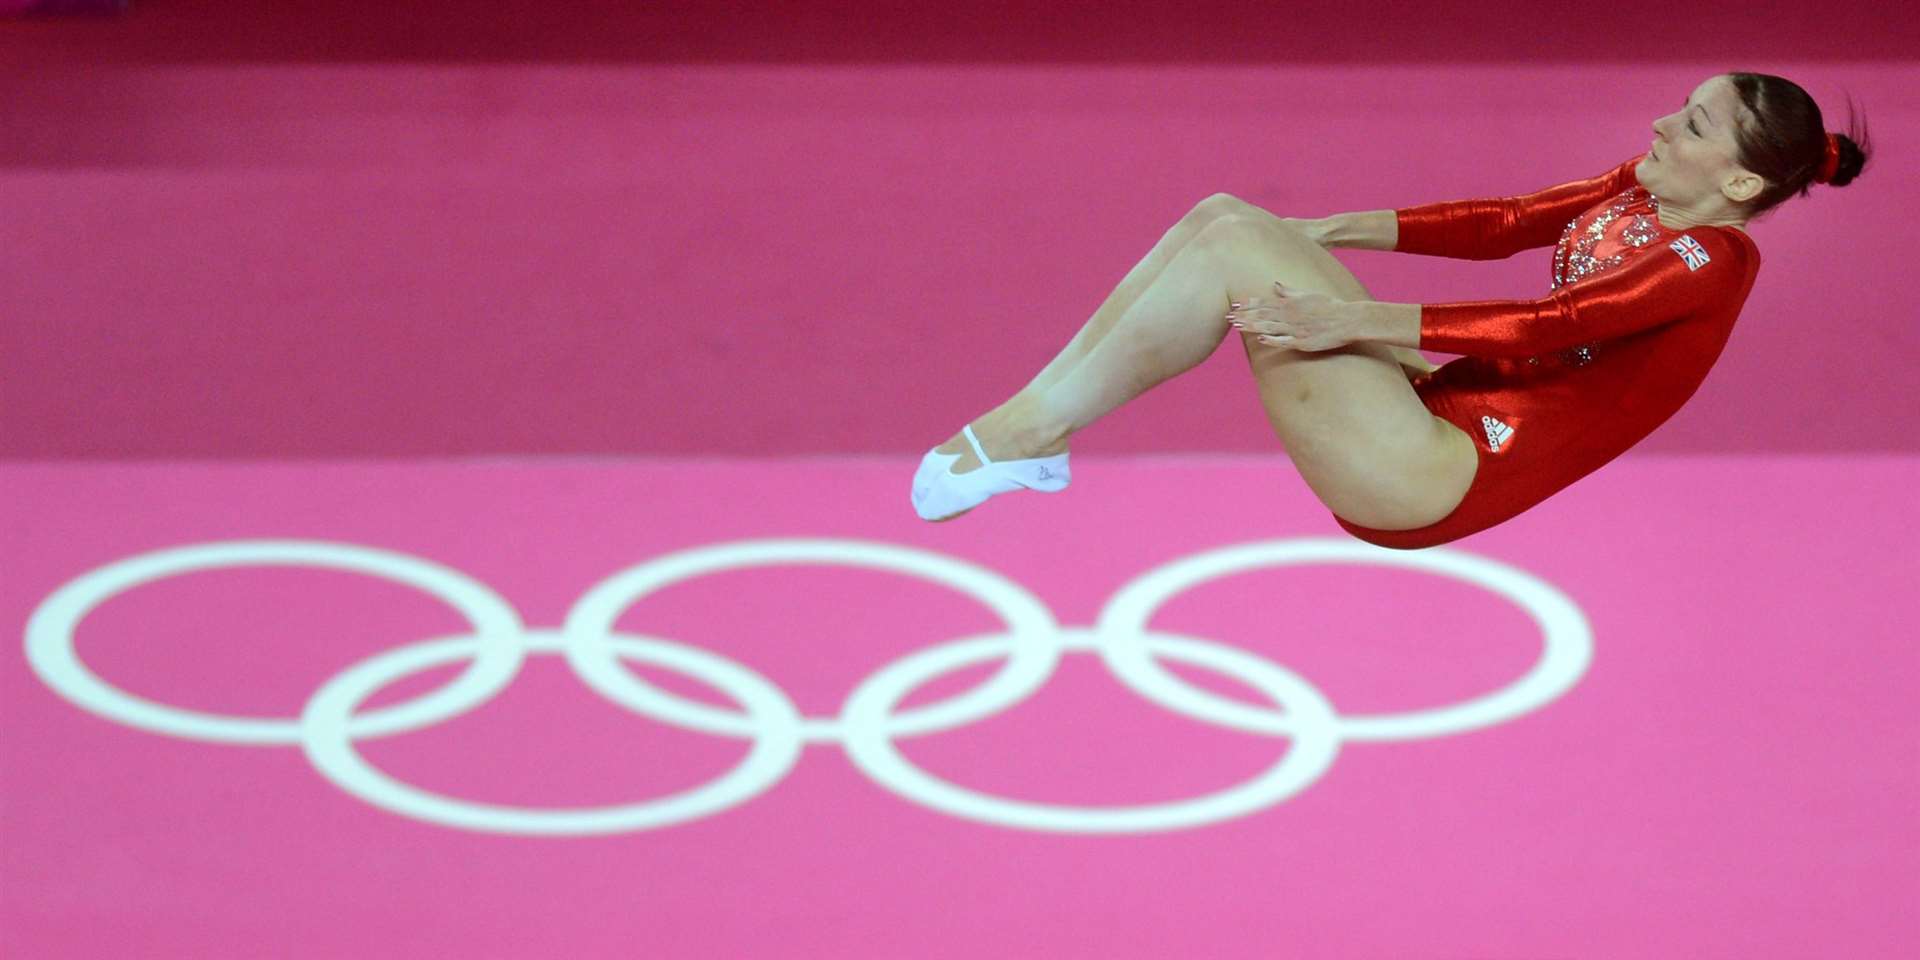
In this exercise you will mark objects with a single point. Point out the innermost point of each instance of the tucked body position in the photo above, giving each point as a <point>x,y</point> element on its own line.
<point>1652,264</point>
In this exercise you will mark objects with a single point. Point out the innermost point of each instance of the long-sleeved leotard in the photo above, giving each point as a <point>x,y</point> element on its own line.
<point>1552,389</point>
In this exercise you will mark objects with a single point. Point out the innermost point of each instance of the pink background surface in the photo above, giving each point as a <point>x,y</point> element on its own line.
<point>1734,776</point>
<point>727,245</point>
<point>793,236</point>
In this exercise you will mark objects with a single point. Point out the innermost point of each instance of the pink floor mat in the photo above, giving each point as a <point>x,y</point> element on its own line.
<point>757,708</point>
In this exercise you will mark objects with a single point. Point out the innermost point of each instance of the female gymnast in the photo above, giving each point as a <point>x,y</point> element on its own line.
<point>1652,266</point>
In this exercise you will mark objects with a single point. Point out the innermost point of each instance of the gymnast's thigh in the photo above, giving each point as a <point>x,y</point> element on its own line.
<point>1499,490</point>
<point>1330,275</point>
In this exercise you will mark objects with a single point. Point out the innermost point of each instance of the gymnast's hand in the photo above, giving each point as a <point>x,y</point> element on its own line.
<point>1296,319</point>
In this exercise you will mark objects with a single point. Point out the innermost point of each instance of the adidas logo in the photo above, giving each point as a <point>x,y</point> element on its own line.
<point>1046,474</point>
<point>1497,433</point>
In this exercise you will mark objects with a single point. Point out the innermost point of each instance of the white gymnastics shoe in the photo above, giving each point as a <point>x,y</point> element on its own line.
<point>940,494</point>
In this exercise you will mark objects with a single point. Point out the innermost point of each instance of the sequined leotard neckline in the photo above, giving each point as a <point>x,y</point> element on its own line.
<point>1601,239</point>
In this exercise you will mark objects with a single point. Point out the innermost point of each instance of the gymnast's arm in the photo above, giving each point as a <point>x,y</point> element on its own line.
<point>1467,229</point>
<point>1368,230</point>
<point>1490,229</point>
<point>1655,288</point>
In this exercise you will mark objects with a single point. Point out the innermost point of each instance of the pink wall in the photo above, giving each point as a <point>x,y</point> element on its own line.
<point>235,250</point>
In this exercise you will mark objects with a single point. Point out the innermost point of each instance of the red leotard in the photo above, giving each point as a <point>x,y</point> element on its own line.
<point>1551,389</point>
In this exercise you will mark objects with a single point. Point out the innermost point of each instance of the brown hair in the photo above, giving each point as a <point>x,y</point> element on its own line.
<point>1784,140</point>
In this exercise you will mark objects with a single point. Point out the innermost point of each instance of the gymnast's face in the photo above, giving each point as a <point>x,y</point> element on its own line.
<point>1690,165</point>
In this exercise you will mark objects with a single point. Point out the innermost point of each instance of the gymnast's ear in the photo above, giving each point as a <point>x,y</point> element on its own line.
<point>1743,186</point>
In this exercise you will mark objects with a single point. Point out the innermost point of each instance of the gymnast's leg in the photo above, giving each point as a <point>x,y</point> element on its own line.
<point>1009,431</point>
<point>1024,440</point>
<point>1351,422</point>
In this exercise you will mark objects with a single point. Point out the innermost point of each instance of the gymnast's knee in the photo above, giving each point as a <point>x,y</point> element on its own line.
<point>1226,205</point>
<point>1217,206</point>
<point>1221,205</point>
<point>1233,232</point>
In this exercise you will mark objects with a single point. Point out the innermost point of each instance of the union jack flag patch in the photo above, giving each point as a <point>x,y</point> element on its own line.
<point>1691,251</point>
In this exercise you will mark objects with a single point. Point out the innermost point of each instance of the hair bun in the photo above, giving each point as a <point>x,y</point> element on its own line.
<point>1848,162</point>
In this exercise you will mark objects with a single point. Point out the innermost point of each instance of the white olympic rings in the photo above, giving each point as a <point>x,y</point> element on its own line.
<point>867,725</point>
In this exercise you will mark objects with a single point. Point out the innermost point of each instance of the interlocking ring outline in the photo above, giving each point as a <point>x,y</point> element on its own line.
<point>1033,654</point>
<point>867,724</point>
<point>1566,638</point>
<point>50,638</point>
<point>330,747</point>
<point>1316,742</point>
